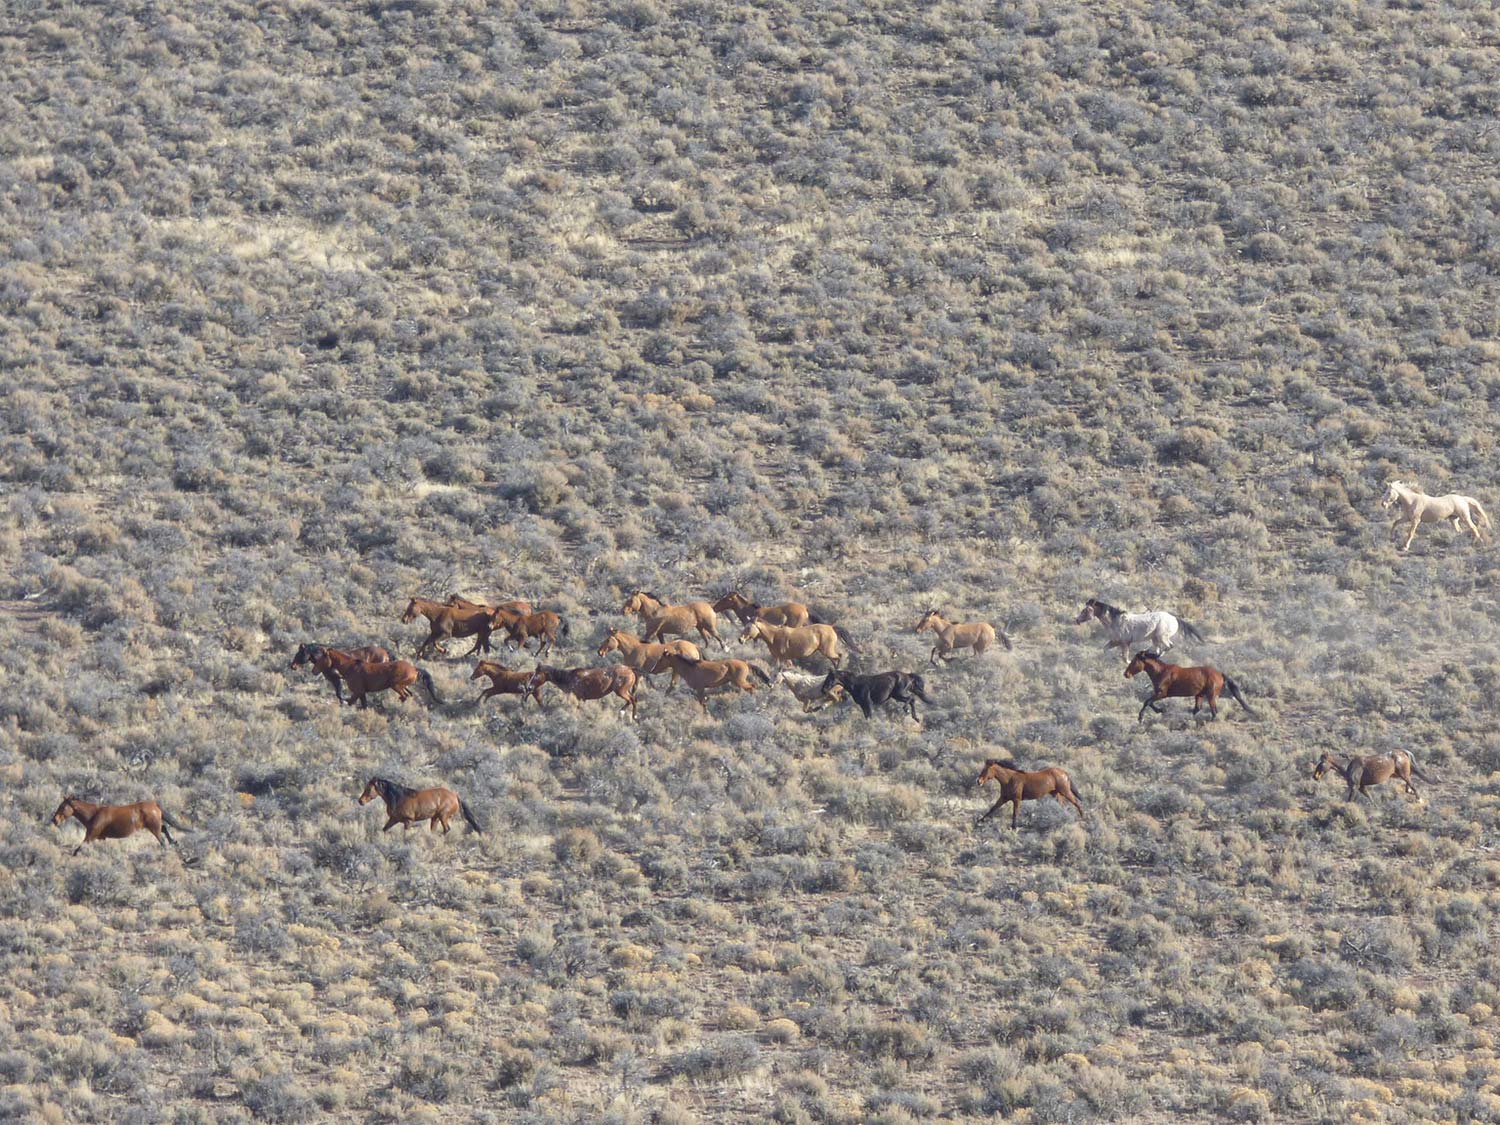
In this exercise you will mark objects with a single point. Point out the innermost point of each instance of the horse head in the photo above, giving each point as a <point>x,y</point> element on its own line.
<point>611,642</point>
<point>927,622</point>
<point>411,612</point>
<point>64,810</point>
<point>1325,763</point>
<point>1393,492</point>
<point>1086,614</point>
<point>752,631</point>
<point>302,656</point>
<point>1142,662</point>
<point>372,790</point>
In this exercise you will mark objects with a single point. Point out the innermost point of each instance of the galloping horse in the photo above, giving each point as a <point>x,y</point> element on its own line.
<point>645,657</point>
<point>506,681</point>
<point>978,635</point>
<point>1168,680</point>
<point>590,683</point>
<point>660,618</point>
<point>705,676</point>
<point>365,678</point>
<point>457,621</point>
<point>1375,769</point>
<point>791,643</point>
<point>373,653</point>
<point>464,603</point>
<point>114,822</point>
<point>1420,508</point>
<point>787,613</point>
<point>545,626</point>
<point>882,687</point>
<point>1127,630</point>
<point>408,806</point>
<point>808,689</point>
<point>1017,785</point>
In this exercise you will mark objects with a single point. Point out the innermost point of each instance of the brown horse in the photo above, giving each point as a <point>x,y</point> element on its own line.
<point>787,613</point>
<point>464,603</point>
<point>660,618</point>
<point>590,683</point>
<point>545,626</point>
<point>506,681</point>
<point>373,653</point>
<point>365,678</point>
<point>978,635</point>
<point>707,676</point>
<point>1203,683</point>
<point>408,806</point>
<point>1375,769</point>
<point>645,656</point>
<point>114,822</point>
<point>1017,785</point>
<point>444,621</point>
<point>788,644</point>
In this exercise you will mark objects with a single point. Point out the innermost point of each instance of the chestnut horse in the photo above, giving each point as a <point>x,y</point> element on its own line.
<point>373,653</point>
<point>590,683</point>
<point>408,806</point>
<point>1374,769</point>
<point>546,626</point>
<point>1017,785</point>
<point>1203,683</point>
<point>787,613</point>
<point>464,603</point>
<point>660,618</point>
<point>645,657</point>
<point>1420,508</point>
<point>978,635</point>
<point>788,643</point>
<point>704,677</point>
<point>114,822</point>
<point>444,621</point>
<point>365,678</point>
<point>506,681</point>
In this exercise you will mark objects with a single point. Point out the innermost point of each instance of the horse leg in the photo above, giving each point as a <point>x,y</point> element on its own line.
<point>1413,534</point>
<point>1141,714</point>
<point>389,824</point>
<point>1015,809</point>
<point>993,810</point>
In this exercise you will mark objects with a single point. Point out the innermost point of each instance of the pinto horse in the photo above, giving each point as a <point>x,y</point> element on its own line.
<point>590,683</point>
<point>409,806</point>
<point>457,621</point>
<point>1126,630</point>
<point>373,653</point>
<point>808,688</point>
<point>660,618</point>
<point>1168,680</point>
<point>882,687</point>
<point>788,643</point>
<point>704,677</point>
<point>1017,785</point>
<point>787,613</point>
<point>1420,508</point>
<point>645,657</point>
<point>114,822</point>
<point>1375,769</point>
<point>506,681</point>
<point>950,635</point>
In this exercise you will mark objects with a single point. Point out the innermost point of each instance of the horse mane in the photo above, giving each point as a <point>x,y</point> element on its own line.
<point>1005,762</point>
<point>390,790</point>
<point>1148,654</point>
<point>649,594</point>
<point>1113,610</point>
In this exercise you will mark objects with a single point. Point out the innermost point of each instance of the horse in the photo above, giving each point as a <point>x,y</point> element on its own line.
<point>1017,785</point>
<point>1420,508</point>
<point>506,681</point>
<point>408,806</point>
<point>1126,630</point>
<point>645,656</point>
<point>545,626</point>
<point>114,822</point>
<point>464,603</point>
<point>705,676</point>
<point>787,613</point>
<point>788,643</point>
<point>1167,680</point>
<point>808,689</point>
<point>373,653</point>
<point>1375,769</point>
<point>882,687</point>
<point>364,678</point>
<point>590,683</point>
<point>660,618</point>
<point>949,635</point>
<point>456,621</point>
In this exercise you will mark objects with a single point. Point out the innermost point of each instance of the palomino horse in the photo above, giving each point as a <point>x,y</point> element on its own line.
<point>457,621</point>
<point>545,626</point>
<point>1127,630</point>
<point>590,683</point>
<point>365,677</point>
<point>808,689</point>
<point>787,613</point>
<point>409,806</point>
<point>373,653</point>
<point>789,643</point>
<point>645,657</point>
<point>949,635</point>
<point>1375,769</point>
<point>1203,683</point>
<point>506,681</point>
<point>1420,508</point>
<point>1017,785</point>
<point>704,677</point>
<point>882,687</point>
<point>114,822</point>
<point>660,618</point>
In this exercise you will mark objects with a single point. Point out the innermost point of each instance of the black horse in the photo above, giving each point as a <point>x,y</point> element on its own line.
<point>308,653</point>
<point>882,687</point>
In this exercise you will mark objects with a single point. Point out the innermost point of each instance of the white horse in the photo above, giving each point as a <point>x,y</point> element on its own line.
<point>1153,630</point>
<point>1420,508</point>
<point>809,689</point>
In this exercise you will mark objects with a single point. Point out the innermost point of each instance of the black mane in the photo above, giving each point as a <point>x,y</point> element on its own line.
<point>1114,612</point>
<point>390,792</point>
<point>1006,762</point>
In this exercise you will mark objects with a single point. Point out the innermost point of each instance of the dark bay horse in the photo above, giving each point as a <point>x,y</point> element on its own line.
<point>590,683</point>
<point>1017,785</point>
<point>409,806</point>
<point>1176,680</point>
<point>882,687</point>
<point>372,653</point>
<point>457,621</point>
<point>114,822</point>
<point>1361,772</point>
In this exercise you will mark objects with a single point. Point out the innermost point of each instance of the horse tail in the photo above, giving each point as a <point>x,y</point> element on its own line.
<point>562,626</point>
<point>765,679</point>
<point>816,619</point>
<point>1234,690</point>
<point>1073,789</point>
<point>1483,515</point>
<point>474,824</point>
<point>1005,639</point>
<point>170,823</point>
<point>918,688</point>
<point>838,631</point>
<point>426,678</point>
<point>1187,627</point>
<point>1416,772</point>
